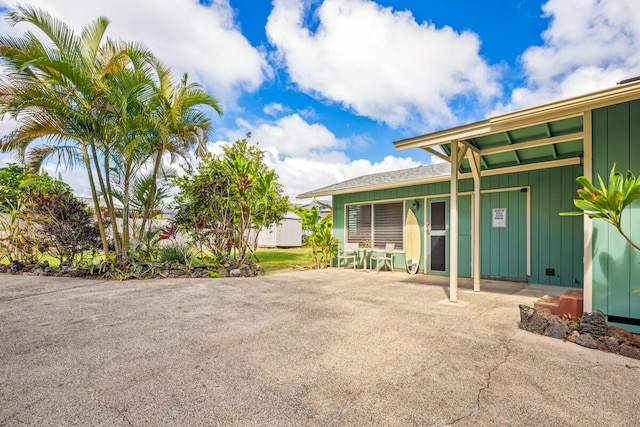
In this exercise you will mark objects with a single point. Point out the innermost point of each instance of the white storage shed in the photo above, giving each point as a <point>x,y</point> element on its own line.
<point>287,234</point>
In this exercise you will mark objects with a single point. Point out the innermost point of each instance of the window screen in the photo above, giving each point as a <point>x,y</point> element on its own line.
<point>388,220</point>
<point>358,223</point>
<point>379,223</point>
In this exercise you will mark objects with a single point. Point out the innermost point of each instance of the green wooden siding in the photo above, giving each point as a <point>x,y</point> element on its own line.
<point>556,242</point>
<point>616,268</point>
<point>464,236</point>
<point>399,260</point>
<point>504,249</point>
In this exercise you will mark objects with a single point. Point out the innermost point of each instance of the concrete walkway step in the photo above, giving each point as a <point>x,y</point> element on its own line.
<point>570,303</point>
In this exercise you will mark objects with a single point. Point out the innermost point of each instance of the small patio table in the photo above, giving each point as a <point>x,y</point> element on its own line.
<point>364,256</point>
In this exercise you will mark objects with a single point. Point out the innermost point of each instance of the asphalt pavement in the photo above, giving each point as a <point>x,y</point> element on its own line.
<point>313,348</point>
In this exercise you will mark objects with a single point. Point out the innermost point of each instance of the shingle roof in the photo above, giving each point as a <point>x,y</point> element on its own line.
<point>383,180</point>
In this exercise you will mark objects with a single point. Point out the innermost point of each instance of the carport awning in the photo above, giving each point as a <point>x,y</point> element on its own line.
<point>559,141</point>
<point>549,141</point>
<point>550,134</point>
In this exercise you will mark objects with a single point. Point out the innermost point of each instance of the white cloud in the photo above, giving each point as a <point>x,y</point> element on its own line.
<point>7,126</point>
<point>275,109</point>
<point>201,40</point>
<point>293,136</point>
<point>299,175</point>
<point>307,156</point>
<point>76,178</point>
<point>378,62</point>
<point>589,45</point>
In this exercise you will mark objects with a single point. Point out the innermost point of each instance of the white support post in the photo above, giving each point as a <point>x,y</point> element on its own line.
<point>587,291</point>
<point>474,160</point>
<point>453,221</point>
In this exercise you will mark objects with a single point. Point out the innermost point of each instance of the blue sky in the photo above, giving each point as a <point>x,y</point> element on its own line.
<point>326,86</point>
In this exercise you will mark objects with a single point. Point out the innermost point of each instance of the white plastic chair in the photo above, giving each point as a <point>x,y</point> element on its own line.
<point>384,256</point>
<point>349,252</point>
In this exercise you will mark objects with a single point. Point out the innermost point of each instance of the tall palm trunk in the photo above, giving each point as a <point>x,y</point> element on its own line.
<point>105,191</point>
<point>96,201</point>
<point>151,195</point>
<point>125,211</point>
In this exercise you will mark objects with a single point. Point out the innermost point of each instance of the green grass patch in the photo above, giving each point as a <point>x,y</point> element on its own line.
<point>283,260</point>
<point>273,260</point>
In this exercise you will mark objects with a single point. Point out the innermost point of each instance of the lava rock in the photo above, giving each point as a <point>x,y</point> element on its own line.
<point>594,324</point>
<point>16,267</point>
<point>629,351</point>
<point>586,340</point>
<point>556,328</point>
<point>609,344</point>
<point>534,319</point>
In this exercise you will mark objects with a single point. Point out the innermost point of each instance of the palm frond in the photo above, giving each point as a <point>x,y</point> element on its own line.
<point>65,155</point>
<point>57,31</point>
<point>91,37</point>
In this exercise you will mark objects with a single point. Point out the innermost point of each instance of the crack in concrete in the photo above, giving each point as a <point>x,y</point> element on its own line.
<point>337,415</point>
<point>476,409</point>
<point>121,412</point>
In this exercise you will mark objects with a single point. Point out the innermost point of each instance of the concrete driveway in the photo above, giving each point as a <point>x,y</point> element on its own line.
<point>328,348</point>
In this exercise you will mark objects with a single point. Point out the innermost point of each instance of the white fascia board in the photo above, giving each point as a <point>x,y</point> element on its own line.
<point>553,111</point>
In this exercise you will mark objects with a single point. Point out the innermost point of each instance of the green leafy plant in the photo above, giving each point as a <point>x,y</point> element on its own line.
<point>10,178</point>
<point>173,253</point>
<point>609,201</point>
<point>148,247</point>
<point>62,222</point>
<point>227,199</point>
<point>180,252</point>
<point>324,247</point>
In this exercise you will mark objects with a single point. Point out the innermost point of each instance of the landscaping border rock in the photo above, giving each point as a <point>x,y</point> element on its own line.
<point>147,271</point>
<point>590,331</point>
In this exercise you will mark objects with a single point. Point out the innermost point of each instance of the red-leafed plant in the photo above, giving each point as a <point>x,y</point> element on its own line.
<point>177,251</point>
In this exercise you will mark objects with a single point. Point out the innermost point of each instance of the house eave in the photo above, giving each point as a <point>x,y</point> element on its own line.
<point>443,178</point>
<point>557,110</point>
<point>386,186</point>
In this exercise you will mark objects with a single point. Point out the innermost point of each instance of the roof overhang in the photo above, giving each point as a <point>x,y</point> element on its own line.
<point>541,114</point>
<point>328,191</point>
<point>540,134</point>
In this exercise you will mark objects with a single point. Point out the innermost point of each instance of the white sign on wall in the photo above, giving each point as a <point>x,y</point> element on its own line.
<point>499,218</point>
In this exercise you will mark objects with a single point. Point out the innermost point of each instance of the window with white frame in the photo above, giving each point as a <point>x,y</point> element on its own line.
<point>377,223</point>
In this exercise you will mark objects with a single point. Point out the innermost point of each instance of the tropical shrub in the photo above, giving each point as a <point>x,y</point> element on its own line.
<point>63,223</point>
<point>10,178</point>
<point>226,198</point>
<point>38,217</point>
<point>324,247</point>
<point>609,201</point>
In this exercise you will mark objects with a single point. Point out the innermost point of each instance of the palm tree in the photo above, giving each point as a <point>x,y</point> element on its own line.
<point>178,123</point>
<point>109,106</point>
<point>56,91</point>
